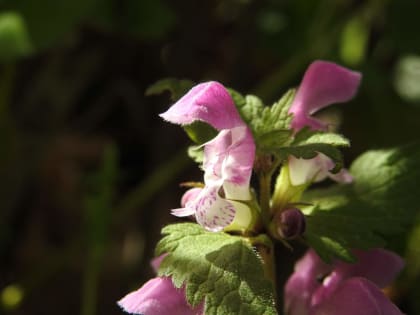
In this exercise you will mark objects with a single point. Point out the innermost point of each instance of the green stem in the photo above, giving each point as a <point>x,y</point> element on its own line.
<point>265,194</point>
<point>284,191</point>
<point>90,283</point>
<point>267,166</point>
<point>265,248</point>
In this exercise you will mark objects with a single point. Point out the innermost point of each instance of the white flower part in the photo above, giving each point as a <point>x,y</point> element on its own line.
<point>211,210</point>
<point>302,171</point>
<point>183,212</point>
<point>236,192</point>
<point>314,170</point>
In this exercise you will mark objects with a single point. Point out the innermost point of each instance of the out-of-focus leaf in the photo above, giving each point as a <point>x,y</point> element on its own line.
<point>49,21</point>
<point>354,40</point>
<point>98,202</point>
<point>402,25</point>
<point>14,39</point>
<point>148,19</point>
<point>407,78</point>
<point>98,206</point>
<point>176,87</point>
<point>11,297</point>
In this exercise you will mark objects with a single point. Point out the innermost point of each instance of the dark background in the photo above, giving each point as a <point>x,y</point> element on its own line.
<point>88,171</point>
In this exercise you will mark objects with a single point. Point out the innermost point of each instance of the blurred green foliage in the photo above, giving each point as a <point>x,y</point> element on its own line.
<point>13,37</point>
<point>72,80</point>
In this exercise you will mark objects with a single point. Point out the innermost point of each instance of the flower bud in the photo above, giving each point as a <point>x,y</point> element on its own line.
<point>291,223</point>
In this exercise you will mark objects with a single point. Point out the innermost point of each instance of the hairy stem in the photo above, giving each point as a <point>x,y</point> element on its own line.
<point>265,248</point>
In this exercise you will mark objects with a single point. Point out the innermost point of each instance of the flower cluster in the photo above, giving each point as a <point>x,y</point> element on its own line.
<point>226,202</point>
<point>317,288</point>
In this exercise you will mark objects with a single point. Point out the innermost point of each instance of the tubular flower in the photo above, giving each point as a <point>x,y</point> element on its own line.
<point>316,288</point>
<point>314,170</point>
<point>159,296</point>
<point>228,158</point>
<point>323,84</point>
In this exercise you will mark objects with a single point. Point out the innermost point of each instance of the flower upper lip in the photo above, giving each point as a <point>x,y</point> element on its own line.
<point>323,84</point>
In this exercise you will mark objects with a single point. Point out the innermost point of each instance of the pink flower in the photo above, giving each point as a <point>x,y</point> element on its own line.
<point>228,158</point>
<point>323,84</point>
<point>316,288</point>
<point>159,296</point>
<point>314,170</point>
<point>209,102</point>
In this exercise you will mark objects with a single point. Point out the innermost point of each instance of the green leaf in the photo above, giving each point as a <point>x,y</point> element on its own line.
<point>307,136</point>
<point>276,117</point>
<point>196,153</point>
<point>220,268</point>
<point>270,125</point>
<point>380,204</point>
<point>308,143</point>
<point>176,87</point>
<point>270,142</point>
<point>200,132</point>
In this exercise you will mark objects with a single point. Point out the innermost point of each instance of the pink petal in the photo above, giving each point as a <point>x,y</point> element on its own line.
<point>230,157</point>
<point>303,283</point>
<point>323,84</point>
<point>378,265</point>
<point>190,194</point>
<point>357,296</point>
<point>155,263</point>
<point>209,102</point>
<point>158,296</point>
<point>343,176</point>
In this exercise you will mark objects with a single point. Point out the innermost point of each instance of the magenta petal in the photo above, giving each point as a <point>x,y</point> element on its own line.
<point>378,265</point>
<point>230,157</point>
<point>155,263</point>
<point>189,195</point>
<point>323,84</point>
<point>303,283</point>
<point>357,296</point>
<point>158,296</point>
<point>209,102</point>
